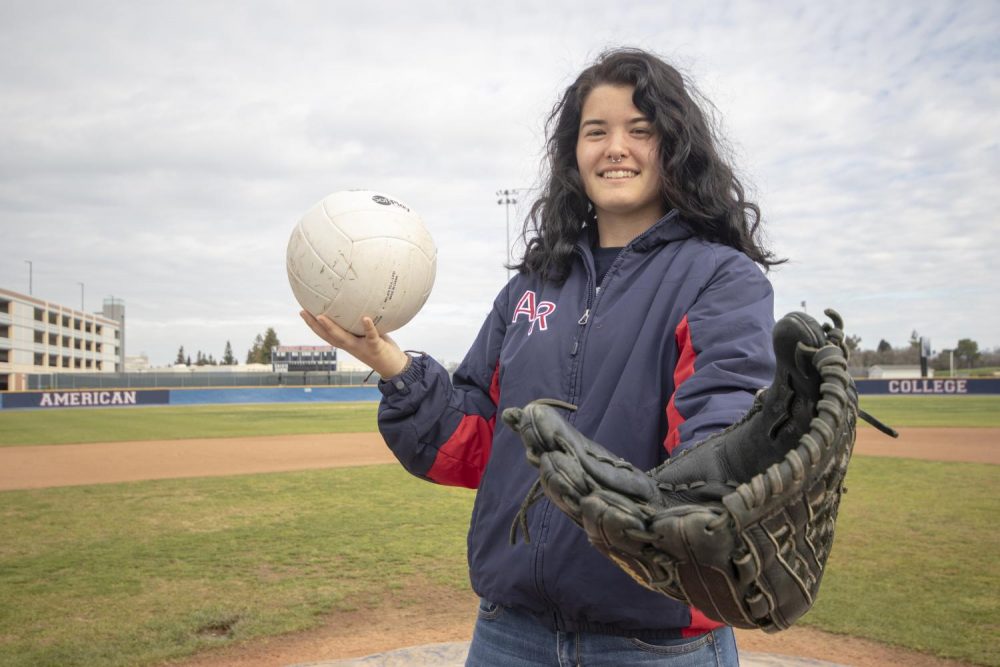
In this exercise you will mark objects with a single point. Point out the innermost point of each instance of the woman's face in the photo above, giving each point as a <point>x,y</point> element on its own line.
<point>616,152</point>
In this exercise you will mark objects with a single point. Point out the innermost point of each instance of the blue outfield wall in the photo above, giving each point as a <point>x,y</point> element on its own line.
<point>114,398</point>
<point>273,395</point>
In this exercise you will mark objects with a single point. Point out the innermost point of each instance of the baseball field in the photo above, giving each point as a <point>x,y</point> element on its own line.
<point>280,534</point>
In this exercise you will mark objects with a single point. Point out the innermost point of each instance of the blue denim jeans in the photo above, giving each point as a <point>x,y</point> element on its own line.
<point>506,637</point>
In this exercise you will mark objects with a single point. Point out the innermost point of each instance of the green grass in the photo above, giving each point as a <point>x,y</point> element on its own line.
<point>982,372</point>
<point>63,426</point>
<point>51,427</point>
<point>915,559</point>
<point>941,411</point>
<point>136,574</point>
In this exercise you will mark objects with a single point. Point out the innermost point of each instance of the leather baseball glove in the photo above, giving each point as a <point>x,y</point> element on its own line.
<point>741,524</point>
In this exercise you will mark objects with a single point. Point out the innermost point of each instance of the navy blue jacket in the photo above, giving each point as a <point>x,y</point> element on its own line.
<point>670,349</point>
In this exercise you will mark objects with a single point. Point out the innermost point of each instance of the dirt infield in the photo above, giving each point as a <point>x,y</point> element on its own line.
<point>69,465</point>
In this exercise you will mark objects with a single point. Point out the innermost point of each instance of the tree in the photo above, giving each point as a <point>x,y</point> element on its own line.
<point>260,353</point>
<point>967,350</point>
<point>883,347</point>
<point>227,357</point>
<point>180,356</point>
<point>254,352</point>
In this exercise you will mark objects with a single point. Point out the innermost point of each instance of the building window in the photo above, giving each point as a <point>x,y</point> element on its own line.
<point>98,330</point>
<point>53,339</point>
<point>39,359</point>
<point>89,326</point>
<point>53,318</point>
<point>39,315</point>
<point>77,344</point>
<point>39,336</point>
<point>53,360</point>
<point>76,363</point>
<point>4,356</point>
<point>65,321</point>
<point>77,324</point>
<point>67,362</point>
<point>98,365</point>
<point>4,331</point>
<point>5,306</point>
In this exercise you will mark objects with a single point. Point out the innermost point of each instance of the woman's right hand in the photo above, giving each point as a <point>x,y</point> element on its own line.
<point>378,352</point>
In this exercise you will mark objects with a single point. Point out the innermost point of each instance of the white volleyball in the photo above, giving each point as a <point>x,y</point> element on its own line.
<point>362,253</point>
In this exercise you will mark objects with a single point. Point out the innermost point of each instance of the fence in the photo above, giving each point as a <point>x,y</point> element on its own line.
<point>174,380</point>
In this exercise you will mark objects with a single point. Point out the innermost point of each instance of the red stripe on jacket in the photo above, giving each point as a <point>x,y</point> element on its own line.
<point>682,371</point>
<point>700,624</point>
<point>462,459</point>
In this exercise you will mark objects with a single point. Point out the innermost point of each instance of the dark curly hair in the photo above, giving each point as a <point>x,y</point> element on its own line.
<point>696,180</point>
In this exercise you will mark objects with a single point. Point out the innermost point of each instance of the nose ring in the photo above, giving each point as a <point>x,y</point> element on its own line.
<point>616,161</point>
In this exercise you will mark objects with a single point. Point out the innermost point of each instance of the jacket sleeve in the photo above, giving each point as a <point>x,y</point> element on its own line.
<point>441,428</point>
<point>725,354</point>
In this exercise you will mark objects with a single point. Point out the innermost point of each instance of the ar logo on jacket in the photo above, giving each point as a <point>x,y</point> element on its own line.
<point>536,312</point>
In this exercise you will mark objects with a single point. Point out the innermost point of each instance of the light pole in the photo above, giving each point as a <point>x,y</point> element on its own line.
<point>28,261</point>
<point>506,199</point>
<point>81,296</point>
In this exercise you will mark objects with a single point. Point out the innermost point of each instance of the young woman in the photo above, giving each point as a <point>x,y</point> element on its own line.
<point>640,299</point>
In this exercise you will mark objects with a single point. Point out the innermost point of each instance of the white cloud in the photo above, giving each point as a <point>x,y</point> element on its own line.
<point>162,152</point>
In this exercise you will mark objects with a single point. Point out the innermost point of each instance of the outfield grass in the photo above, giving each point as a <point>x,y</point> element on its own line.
<point>135,574</point>
<point>915,558</point>
<point>75,425</point>
<point>53,427</point>
<point>940,411</point>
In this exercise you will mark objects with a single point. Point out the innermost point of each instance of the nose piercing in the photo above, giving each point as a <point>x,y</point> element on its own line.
<point>614,161</point>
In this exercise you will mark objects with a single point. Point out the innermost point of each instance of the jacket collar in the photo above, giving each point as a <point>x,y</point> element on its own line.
<point>670,227</point>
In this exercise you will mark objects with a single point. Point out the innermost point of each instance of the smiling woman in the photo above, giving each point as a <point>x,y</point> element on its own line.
<point>640,298</point>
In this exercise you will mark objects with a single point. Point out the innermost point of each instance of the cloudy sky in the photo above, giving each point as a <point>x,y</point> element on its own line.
<point>162,152</point>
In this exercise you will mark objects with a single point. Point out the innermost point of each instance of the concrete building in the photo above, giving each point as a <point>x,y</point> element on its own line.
<point>38,337</point>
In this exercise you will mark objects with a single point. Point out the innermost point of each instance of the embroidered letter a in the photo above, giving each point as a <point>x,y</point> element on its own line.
<point>536,312</point>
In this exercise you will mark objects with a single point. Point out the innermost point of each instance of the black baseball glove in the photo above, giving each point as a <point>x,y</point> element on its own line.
<point>739,525</point>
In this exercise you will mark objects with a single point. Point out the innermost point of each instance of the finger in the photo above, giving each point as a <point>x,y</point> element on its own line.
<point>335,329</point>
<point>371,333</point>
<point>313,323</point>
<point>336,334</point>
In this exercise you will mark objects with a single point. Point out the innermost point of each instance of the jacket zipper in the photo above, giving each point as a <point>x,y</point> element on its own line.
<point>593,295</point>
